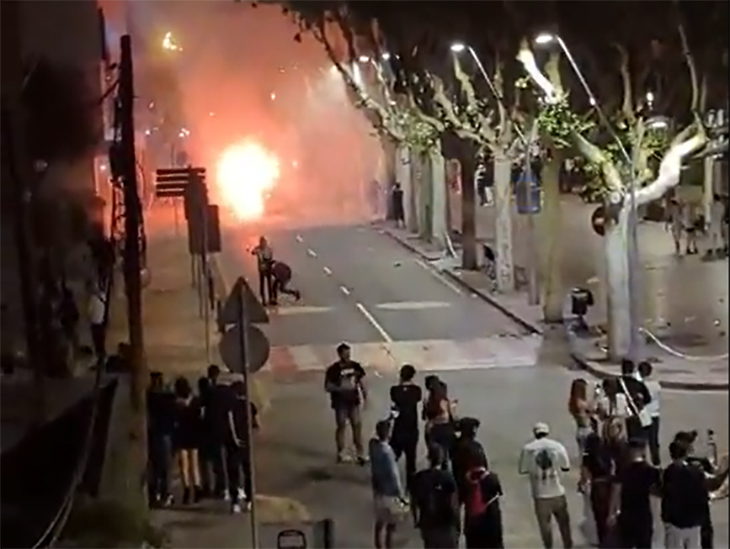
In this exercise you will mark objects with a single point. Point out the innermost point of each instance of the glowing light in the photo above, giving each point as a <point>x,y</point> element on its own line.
<point>544,38</point>
<point>273,96</point>
<point>385,56</point>
<point>246,173</point>
<point>649,97</point>
<point>168,43</point>
<point>458,47</point>
<point>364,59</point>
<point>211,114</point>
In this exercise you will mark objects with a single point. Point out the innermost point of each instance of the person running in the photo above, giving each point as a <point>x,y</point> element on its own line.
<point>405,398</point>
<point>439,417</point>
<point>160,427</point>
<point>605,454</point>
<point>544,460</point>
<point>482,514</point>
<point>344,381</point>
<point>388,494</point>
<point>281,273</point>
<point>238,447</point>
<point>635,483</point>
<point>434,498</point>
<point>264,260</point>
<point>188,430</point>
<point>652,410</point>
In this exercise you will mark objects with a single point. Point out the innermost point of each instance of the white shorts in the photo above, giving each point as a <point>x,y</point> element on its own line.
<point>388,509</point>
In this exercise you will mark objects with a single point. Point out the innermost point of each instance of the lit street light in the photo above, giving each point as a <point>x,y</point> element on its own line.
<point>458,47</point>
<point>168,43</point>
<point>364,59</point>
<point>385,56</point>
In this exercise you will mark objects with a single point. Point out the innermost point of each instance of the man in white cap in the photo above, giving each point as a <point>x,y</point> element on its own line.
<point>544,460</point>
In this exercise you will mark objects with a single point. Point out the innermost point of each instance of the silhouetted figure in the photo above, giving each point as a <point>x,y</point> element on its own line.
<point>398,212</point>
<point>281,273</point>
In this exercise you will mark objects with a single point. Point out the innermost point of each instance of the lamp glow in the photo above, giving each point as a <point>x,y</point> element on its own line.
<point>544,38</point>
<point>458,47</point>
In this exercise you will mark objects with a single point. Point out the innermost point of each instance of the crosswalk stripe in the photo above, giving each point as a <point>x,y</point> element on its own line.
<point>426,355</point>
<point>299,310</point>
<point>413,305</point>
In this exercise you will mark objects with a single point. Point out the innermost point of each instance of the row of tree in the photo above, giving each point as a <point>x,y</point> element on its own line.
<point>496,91</point>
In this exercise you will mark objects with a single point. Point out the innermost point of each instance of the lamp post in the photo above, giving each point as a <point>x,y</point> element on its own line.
<point>632,251</point>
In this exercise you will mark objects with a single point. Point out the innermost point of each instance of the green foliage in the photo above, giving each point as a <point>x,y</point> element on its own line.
<point>420,135</point>
<point>558,122</point>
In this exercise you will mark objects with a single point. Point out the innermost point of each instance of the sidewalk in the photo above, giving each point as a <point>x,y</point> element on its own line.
<point>174,343</point>
<point>672,372</point>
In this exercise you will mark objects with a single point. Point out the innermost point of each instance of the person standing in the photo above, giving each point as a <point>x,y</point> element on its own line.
<point>465,449</point>
<point>398,208</point>
<point>675,223</point>
<point>438,414</point>
<point>636,482</point>
<point>160,427</point>
<point>186,439</point>
<point>97,316</point>
<point>435,502</point>
<point>405,398</point>
<point>215,400</point>
<point>264,260</point>
<point>238,447</point>
<point>482,514</point>
<point>603,458</point>
<point>388,495</point>
<point>637,396</point>
<point>544,460</point>
<point>692,226</point>
<point>717,214</point>
<point>344,381</point>
<point>652,410</point>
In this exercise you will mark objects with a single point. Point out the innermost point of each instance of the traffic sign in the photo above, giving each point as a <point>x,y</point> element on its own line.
<point>230,311</point>
<point>180,171</point>
<point>176,189</point>
<point>598,221</point>
<point>232,349</point>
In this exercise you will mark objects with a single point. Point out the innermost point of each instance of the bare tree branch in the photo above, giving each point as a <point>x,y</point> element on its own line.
<point>592,153</point>
<point>462,129</point>
<point>627,105</point>
<point>694,105</point>
<point>484,129</point>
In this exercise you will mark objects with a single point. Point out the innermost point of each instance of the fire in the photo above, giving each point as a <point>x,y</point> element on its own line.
<point>246,173</point>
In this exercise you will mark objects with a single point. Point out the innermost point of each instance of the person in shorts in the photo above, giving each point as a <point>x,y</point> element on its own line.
<point>388,494</point>
<point>344,381</point>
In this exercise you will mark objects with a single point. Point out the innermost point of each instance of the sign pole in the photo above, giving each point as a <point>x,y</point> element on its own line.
<point>175,215</point>
<point>534,260</point>
<point>205,301</point>
<point>244,346</point>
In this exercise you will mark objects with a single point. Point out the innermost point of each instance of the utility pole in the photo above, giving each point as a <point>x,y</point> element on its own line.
<point>132,261</point>
<point>16,165</point>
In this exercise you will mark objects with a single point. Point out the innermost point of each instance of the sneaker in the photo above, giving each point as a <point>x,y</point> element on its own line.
<point>298,296</point>
<point>241,494</point>
<point>226,496</point>
<point>342,457</point>
<point>235,509</point>
<point>247,507</point>
<point>362,460</point>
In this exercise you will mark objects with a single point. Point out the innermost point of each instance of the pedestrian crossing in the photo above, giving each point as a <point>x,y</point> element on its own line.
<point>508,351</point>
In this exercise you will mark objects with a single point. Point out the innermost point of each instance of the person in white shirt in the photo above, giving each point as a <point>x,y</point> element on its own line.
<point>544,460</point>
<point>717,241</point>
<point>651,411</point>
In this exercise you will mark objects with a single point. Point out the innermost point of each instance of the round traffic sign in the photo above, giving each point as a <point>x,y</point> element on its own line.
<point>231,351</point>
<point>598,221</point>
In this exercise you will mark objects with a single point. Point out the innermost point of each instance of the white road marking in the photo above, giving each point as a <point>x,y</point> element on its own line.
<point>311,252</point>
<point>413,305</point>
<point>328,271</point>
<point>371,319</point>
<point>345,290</point>
<point>438,276</point>
<point>301,310</point>
<point>299,238</point>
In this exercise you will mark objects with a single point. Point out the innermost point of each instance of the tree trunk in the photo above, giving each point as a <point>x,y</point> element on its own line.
<point>419,175</point>
<point>550,246</point>
<point>404,177</point>
<point>439,201</point>
<point>389,161</point>
<point>469,260</point>
<point>617,286</point>
<point>503,220</point>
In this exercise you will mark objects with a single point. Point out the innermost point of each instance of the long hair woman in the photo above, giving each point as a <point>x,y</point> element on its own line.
<point>439,416</point>
<point>580,409</point>
<point>187,439</point>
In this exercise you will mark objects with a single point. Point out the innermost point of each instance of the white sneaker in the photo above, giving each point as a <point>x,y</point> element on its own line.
<point>241,494</point>
<point>247,506</point>
<point>226,496</point>
<point>235,509</point>
<point>344,458</point>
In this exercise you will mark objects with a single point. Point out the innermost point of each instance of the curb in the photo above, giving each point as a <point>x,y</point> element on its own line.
<point>484,296</point>
<point>602,373</point>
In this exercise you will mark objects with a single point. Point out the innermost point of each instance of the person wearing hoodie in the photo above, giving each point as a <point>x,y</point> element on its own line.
<point>482,514</point>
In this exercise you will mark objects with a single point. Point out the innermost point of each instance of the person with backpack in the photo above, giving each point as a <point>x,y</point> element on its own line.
<point>637,397</point>
<point>482,513</point>
<point>264,261</point>
<point>545,460</point>
<point>435,503</point>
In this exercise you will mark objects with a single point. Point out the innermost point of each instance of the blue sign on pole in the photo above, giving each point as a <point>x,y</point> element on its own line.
<point>528,196</point>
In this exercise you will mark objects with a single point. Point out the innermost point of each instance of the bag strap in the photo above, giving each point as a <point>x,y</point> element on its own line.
<point>633,408</point>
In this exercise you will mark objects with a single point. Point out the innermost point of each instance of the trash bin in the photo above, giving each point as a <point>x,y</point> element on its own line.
<point>580,300</point>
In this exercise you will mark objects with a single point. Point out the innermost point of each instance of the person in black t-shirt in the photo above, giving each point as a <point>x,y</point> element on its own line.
<point>603,458</point>
<point>636,482</point>
<point>160,426</point>
<point>344,381</point>
<point>465,448</point>
<point>238,446</point>
<point>405,398</point>
<point>187,437</point>
<point>435,503</point>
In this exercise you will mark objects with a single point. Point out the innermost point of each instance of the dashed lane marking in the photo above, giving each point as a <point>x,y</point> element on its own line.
<point>311,252</point>
<point>327,271</point>
<point>345,290</point>
<point>299,238</point>
<point>301,310</point>
<point>413,305</point>
<point>370,318</point>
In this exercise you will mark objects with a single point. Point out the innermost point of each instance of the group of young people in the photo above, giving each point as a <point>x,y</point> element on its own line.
<point>614,428</point>
<point>206,433</point>
<point>457,493</point>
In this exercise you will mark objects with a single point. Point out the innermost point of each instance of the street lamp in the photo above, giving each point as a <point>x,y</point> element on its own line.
<point>364,59</point>
<point>385,56</point>
<point>632,250</point>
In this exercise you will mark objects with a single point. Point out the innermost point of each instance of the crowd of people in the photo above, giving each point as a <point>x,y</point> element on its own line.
<point>207,434</point>
<point>687,226</point>
<point>617,425</point>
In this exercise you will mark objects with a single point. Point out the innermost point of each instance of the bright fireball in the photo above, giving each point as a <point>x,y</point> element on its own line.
<point>246,173</point>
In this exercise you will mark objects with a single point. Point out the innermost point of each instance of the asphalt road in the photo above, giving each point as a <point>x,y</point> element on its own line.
<point>359,286</point>
<point>296,454</point>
